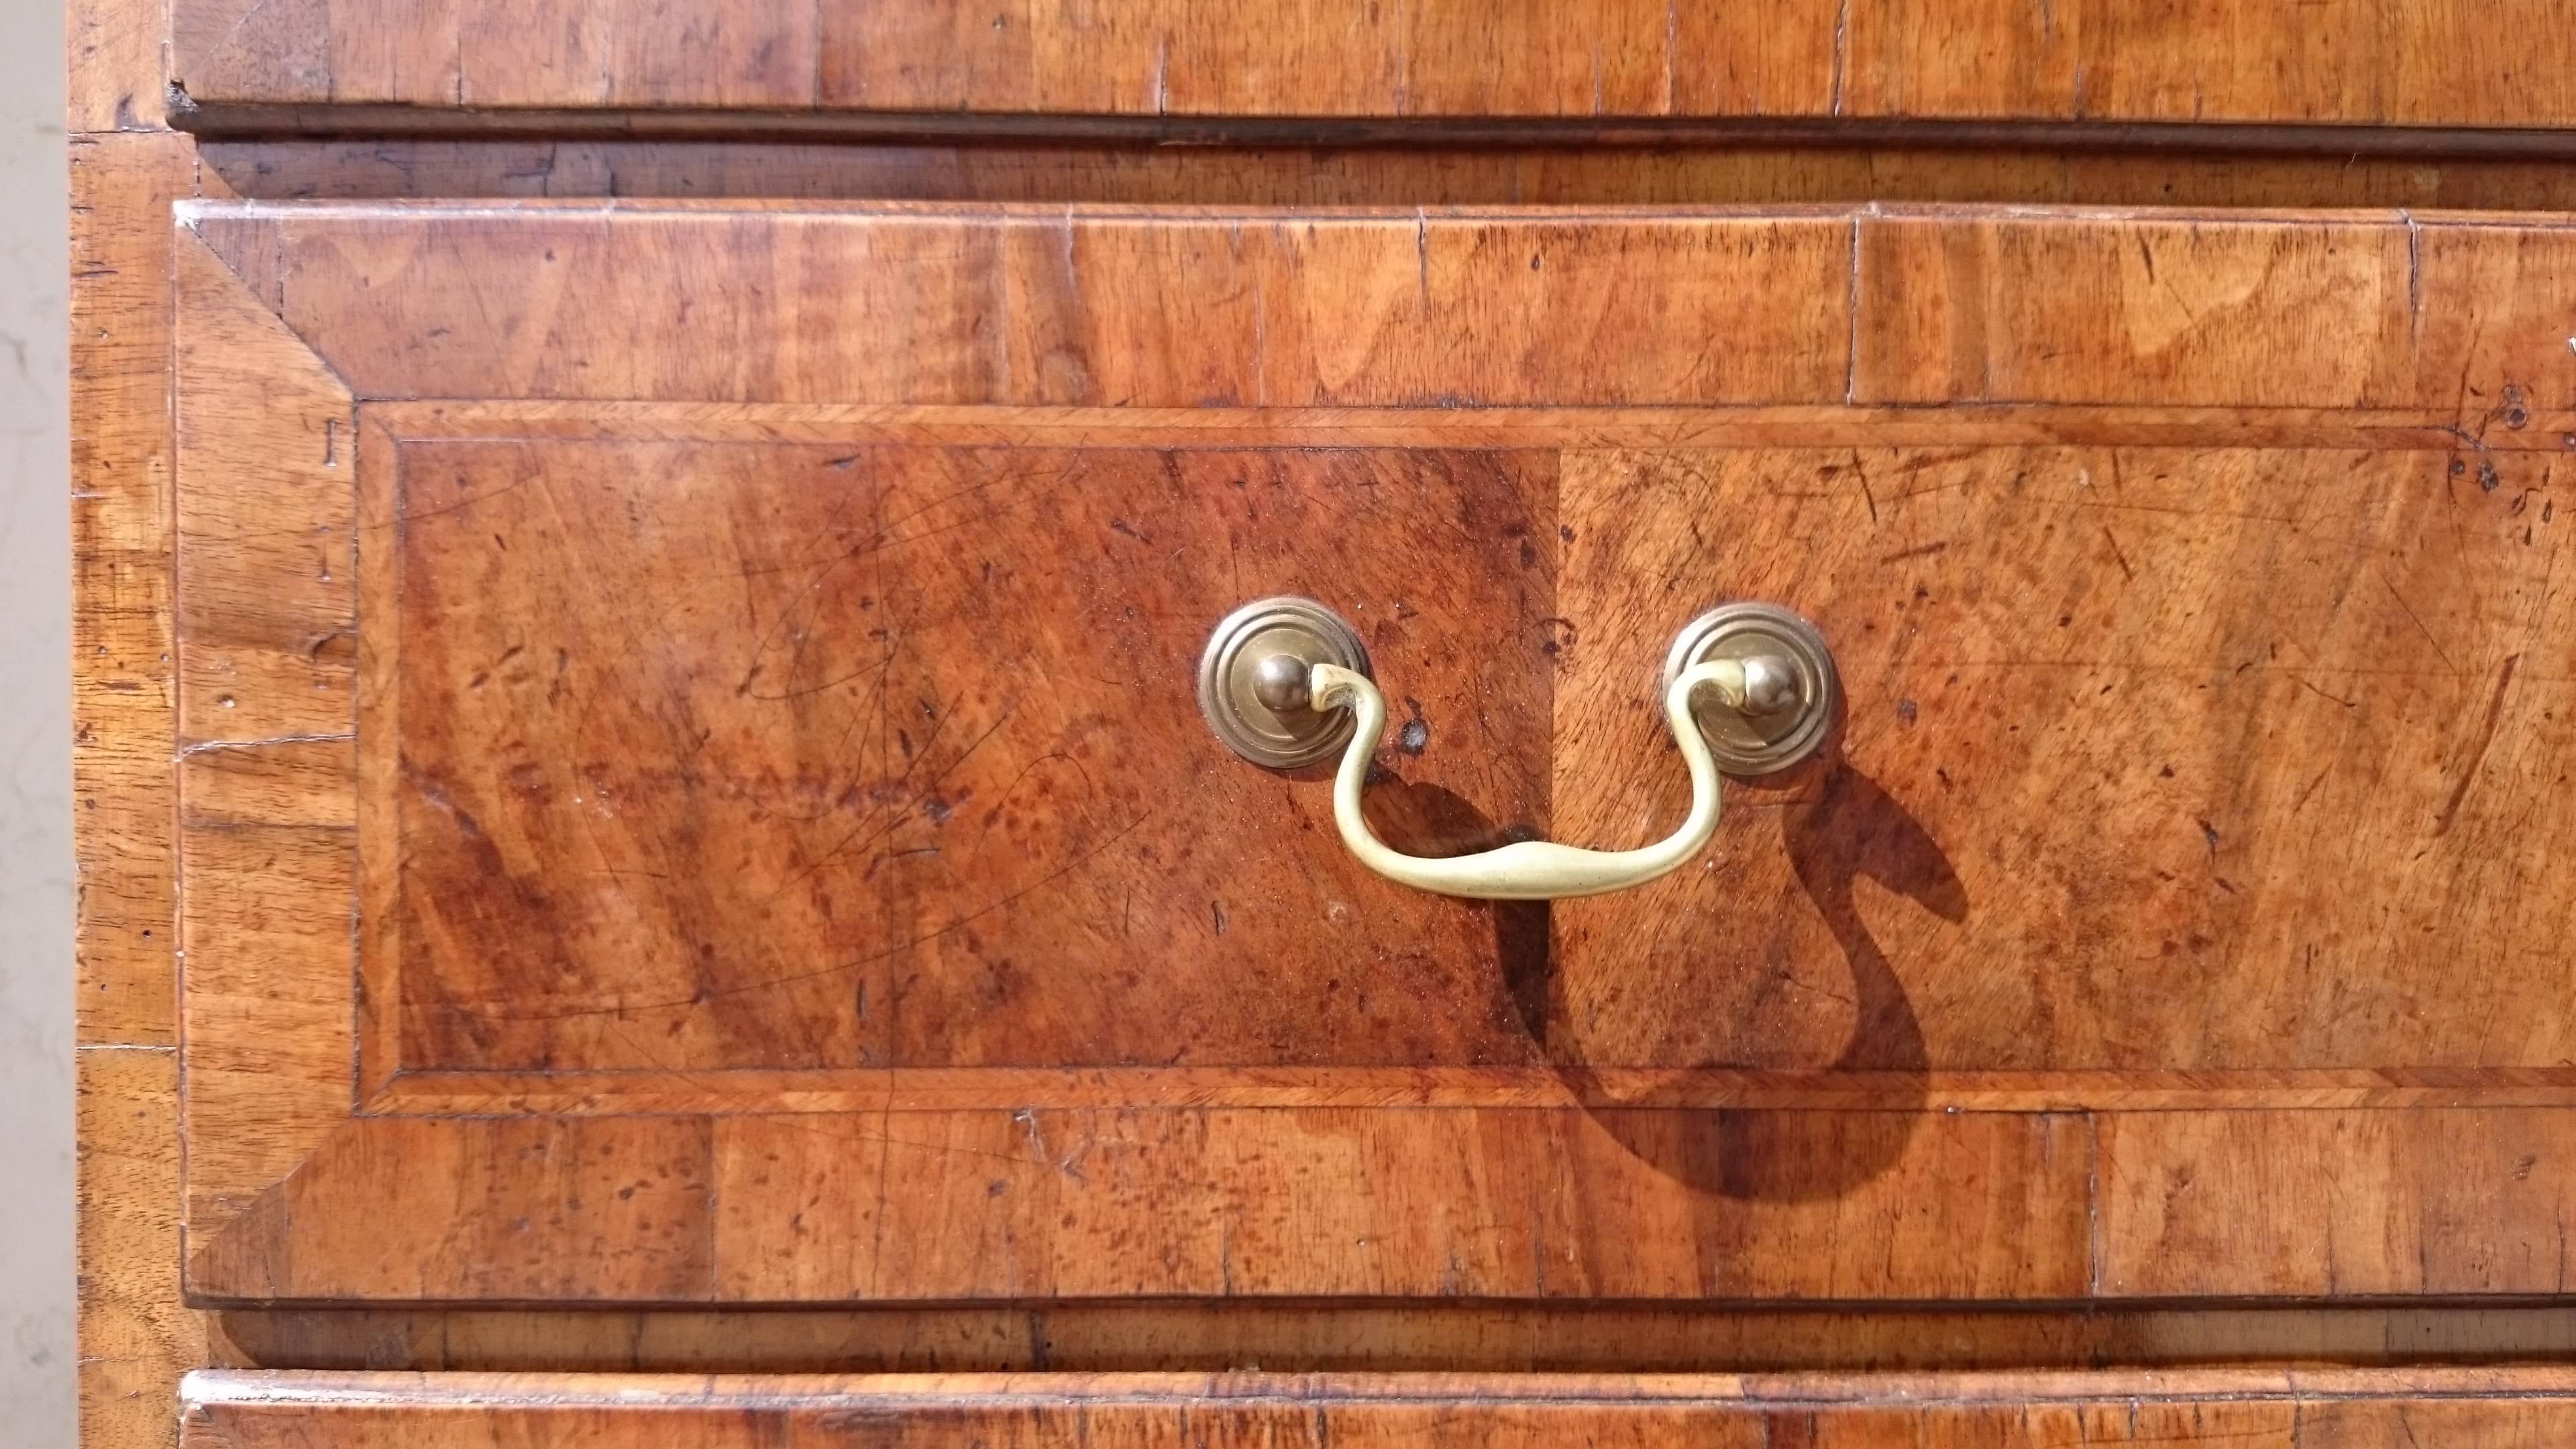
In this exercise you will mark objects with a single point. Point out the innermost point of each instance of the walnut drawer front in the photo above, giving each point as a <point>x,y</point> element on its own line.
<point>2261,1409</point>
<point>692,791</point>
<point>1039,66</point>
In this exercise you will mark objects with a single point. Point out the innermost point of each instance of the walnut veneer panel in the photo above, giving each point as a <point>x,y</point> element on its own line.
<point>2171,61</point>
<point>918,836</point>
<point>691,790</point>
<point>2262,1409</point>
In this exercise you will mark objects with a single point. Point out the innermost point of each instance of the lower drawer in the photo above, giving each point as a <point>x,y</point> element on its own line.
<point>2250,1409</point>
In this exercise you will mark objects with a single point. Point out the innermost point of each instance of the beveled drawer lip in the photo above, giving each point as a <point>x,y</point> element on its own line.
<point>239,119</point>
<point>192,213</point>
<point>1784,1389</point>
<point>2117,1406</point>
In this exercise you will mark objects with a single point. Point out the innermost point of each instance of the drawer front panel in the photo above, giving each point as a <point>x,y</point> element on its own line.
<point>2198,61</point>
<point>693,788</point>
<point>2328,1409</point>
<point>908,788</point>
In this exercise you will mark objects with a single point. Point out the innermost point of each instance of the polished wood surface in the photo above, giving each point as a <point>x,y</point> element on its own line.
<point>2438,63</point>
<point>1737,172</point>
<point>127,168</point>
<point>2435,317</point>
<point>2267,1408</point>
<point>640,701</point>
<point>134,1337</point>
<point>137,1339</point>
<point>926,820</point>
<point>1365,1338</point>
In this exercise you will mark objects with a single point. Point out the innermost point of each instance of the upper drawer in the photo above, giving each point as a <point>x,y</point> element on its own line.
<point>2340,62</point>
<point>694,787</point>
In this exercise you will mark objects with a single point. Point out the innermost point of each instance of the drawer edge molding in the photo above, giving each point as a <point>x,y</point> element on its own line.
<point>2275,1409</point>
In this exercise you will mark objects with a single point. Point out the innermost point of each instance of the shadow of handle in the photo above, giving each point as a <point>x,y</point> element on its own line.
<point>1852,828</point>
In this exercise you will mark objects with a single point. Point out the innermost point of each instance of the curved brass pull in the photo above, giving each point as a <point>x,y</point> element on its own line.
<point>1279,672</point>
<point>1531,870</point>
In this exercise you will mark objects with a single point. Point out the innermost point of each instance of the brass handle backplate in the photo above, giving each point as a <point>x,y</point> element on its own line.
<point>1747,687</point>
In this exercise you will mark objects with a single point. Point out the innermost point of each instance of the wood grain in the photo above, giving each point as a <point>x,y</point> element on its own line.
<point>493,745</point>
<point>123,186</point>
<point>1253,311</point>
<point>1264,1204</point>
<point>2197,1202</point>
<point>116,71</point>
<point>269,614</point>
<point>134,1337</point>
<point>2425,312</point>
<point>2431,1195</point>
<point>2086,801</point>
<point>1557,1337</point>
<point>2254,1407</point>
<point>2345,62</point>
<point>268,978</point>
<point>2176,61</point>
<point>433,1093</point>
<point>1629,58</point>
<point>1742,172</point>
<point>923,855</point>
<point>2168,310</point>
<point>758,730</point>
<point>1959,322</point>
<point>265,725</point>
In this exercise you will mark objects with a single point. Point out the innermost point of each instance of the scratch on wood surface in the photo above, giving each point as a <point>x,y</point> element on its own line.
<point>1422,257</point>
<point>199,747</point>
<point>1851,308</point>
<point>1260,348</point>
<point>241,21</point>
<point>2477,756</point>
<point>885,1181</point>
<point>2418,621</point>
<point>1672,54</point>
<point>2322,692</point>
<point>2414,278</point>
<point>2118,557</point>
<point>1842,48</point>
<point>2093,1202</point>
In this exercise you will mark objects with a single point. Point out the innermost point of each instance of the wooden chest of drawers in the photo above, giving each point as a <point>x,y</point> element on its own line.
<point>676,553</point>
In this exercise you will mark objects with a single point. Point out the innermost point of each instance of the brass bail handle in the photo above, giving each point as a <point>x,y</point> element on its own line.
<point>1748,688</point>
